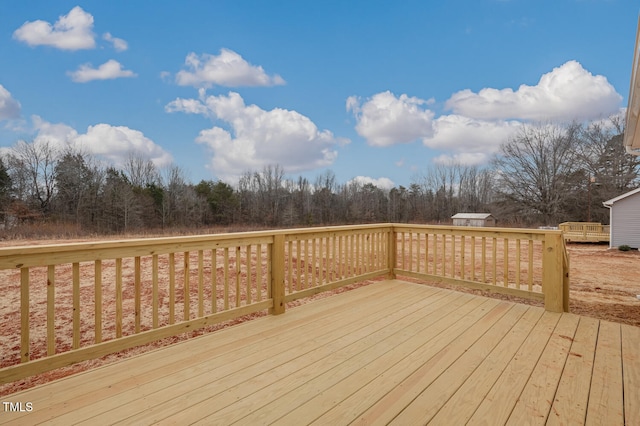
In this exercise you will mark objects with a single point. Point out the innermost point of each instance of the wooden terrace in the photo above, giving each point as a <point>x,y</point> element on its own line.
<point>391,352</point>
<point>388,353</point>
<point>585,232</point>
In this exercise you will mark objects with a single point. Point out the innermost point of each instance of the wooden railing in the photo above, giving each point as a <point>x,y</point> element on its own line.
<point>519,262</point>
<point>318,260</point>
<point>585,231</point>
<point>66,303</point>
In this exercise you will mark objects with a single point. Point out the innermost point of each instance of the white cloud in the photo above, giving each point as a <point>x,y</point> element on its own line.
<point>463,135</point>
<point>257,137</point>
<point>382,183</point>
<point>568,92</point>
<point>465,158</point>
<point>188,106</point>
<point>108,71</point>
<point>111,143</point>
<point>9,107</point>
<point>119,44</point>
<point>72,31</point>
<point>483,121</point>
<point>385,119</point>
<point>58,134</point>
<point>227,69</point>
<point>116,142</point>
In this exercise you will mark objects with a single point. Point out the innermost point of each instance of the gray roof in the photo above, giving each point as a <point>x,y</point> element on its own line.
<point>610,202</point>
<point>471,216</point>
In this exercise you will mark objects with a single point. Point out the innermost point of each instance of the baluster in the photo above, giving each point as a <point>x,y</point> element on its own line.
<point>51,310</point>
<point>98,300</point>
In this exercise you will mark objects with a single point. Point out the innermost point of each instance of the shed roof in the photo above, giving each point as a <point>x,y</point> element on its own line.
<point>471,216</point>
<point>610,202</point>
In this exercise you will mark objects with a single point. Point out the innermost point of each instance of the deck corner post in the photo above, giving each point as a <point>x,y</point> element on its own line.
<point>566,277</point>
<point>552,272</point>
<point>392,253</point>
<point>277,275</point>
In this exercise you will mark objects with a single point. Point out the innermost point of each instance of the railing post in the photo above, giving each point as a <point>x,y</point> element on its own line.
<point>565,281</point>
<point>277,275</point>
<point>392,253</point>
<point>552,272</point>
<point>25,352</point>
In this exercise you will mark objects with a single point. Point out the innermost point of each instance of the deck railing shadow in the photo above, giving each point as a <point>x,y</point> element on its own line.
<point>70,302</point>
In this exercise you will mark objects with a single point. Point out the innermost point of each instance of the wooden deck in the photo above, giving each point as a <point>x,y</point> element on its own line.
<point>389,353</point>
<point>585,232</point>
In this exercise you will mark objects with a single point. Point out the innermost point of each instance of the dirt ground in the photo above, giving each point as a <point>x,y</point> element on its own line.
<point>604,284</point>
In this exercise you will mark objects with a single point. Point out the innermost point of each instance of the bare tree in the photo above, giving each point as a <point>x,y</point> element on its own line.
<point>305,193</point>
<point>452,188</point>
<point>32,169</point>
<point>122,210</point>
<point>79,180</point>
<point>605,157</point>
<point>608,170</point>
<point>474,188</point>
<point>397,204</point>
<point>262,196</point>
<point>246,197</point>
<point>174,184</point>
<point>271,193</point>
<point>5,192</point>
<point>140,171</point>
<point>536,171</point>
<point>324,198</point>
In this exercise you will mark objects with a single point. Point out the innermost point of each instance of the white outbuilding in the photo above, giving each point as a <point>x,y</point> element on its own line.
<point>624,219</point>
<point>473,219</point>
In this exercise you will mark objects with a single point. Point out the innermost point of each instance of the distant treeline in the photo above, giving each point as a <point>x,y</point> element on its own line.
<point>543,175</point>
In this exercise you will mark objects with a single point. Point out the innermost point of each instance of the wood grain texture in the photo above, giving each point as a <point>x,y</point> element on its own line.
<point>390,352</point>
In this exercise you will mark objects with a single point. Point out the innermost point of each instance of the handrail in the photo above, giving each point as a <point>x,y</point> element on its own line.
<point>585,231</point>
<point>78,301</point>
<point>516,262</point>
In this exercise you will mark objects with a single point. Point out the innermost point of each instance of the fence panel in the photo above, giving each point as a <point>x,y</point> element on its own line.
<point>96,298</point>
<point>317,261</point>
<point>501,260</point>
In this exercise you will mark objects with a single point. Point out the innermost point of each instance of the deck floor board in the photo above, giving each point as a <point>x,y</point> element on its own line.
<point>475,347</point>
<point>606,404</point>
<point>383,347</point>
<point>631,371</point>
<point>391,352</point>
<point>535,402</point>
<point>228,369</point>
<point>572,395</point>
<point>463,404</point>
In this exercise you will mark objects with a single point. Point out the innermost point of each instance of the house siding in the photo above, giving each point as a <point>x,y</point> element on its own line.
<point>625,222</point>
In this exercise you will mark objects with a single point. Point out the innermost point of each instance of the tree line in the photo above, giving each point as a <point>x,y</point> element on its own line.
<point>545,174</point>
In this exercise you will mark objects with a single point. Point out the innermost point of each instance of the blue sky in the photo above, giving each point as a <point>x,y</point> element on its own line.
<point>373,90</point>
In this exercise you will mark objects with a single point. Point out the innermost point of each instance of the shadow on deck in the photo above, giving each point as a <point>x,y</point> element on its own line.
<point>391,352</point>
